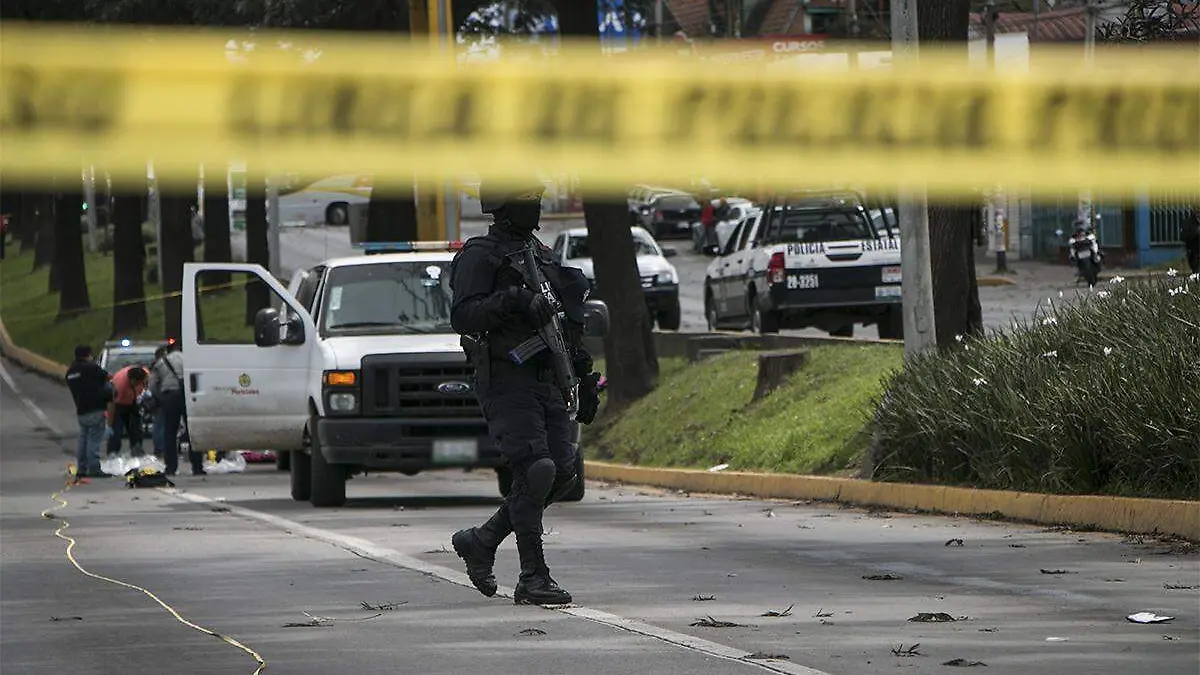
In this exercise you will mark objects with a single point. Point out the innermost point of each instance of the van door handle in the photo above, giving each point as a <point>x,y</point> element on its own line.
<point>194,379</point>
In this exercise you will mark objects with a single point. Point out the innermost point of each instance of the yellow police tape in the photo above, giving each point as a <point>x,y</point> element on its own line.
<point>115,98</point>
<point>201,292</point>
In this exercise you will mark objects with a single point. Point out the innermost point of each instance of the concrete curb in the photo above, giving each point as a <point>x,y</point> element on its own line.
<point>1117,514</point>
<point>29,360</point>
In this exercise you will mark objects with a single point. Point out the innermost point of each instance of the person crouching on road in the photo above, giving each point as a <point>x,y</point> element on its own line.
<point>154,390</point>
<point>124,414</point>
<point>495,310</point>
<point>91,390</point>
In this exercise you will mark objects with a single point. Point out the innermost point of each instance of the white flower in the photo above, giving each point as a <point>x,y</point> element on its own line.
<point>1049,321</point>
<point>1050,354</point>
<point>1103,294</point>
<point>1176,291</point>
<point>1060,294</point>
<point>979,381</point>
<point>1172,272</point>
<point>1116,280</point>
<point>1194,277</point>
<point>1108,351</point>
<point>958,338</point>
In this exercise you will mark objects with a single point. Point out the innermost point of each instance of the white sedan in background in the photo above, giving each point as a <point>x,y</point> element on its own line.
<point>660,280</point>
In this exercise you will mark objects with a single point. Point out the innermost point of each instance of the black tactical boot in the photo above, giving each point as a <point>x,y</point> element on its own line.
<point>477,547</point>
<point>535,587</point>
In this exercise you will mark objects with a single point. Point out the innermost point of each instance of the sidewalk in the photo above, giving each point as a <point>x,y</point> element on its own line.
<point>1037,273</point>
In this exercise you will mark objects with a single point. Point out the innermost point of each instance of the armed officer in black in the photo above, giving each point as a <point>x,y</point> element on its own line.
<point>496,310</point>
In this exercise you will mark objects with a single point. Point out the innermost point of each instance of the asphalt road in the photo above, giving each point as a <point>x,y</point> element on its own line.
<point>235,555</point>
<point>304,247</point>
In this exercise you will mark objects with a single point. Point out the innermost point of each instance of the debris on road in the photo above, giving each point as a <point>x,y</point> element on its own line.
<point>963,663</point>
<point>1046,571</point>
<point>220,509</point>
<point>718,468</point>
<point>1016,545</point>
<point>774,613</point>
<point>66,618</point>
<point>936,617</point>
<point>882,577</point>
<point>188,528</point>
<point>954,542</point>
<point>311,623</point>
<point>709,622</point>
<point>1172,637</point>
<point>385,607</point>
<point>443,549</point>
<point>1180,587</point>
<point>822,614</point>
<point>901,650</point>
<point>989,630</point>
<point>1056,639</point>
<point>1148,617</point>
<point>770,513</point>
<point>704,598</point>
<point>767,656</point>
<point>528,632</point>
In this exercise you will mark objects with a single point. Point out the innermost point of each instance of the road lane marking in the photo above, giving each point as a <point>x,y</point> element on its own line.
<point>32,408</point>
<point>368,549</point>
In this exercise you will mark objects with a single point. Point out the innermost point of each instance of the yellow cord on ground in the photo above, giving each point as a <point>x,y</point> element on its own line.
<point>70,551</point>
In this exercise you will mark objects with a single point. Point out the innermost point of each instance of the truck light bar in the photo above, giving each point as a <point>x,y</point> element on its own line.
<point>371,247</point>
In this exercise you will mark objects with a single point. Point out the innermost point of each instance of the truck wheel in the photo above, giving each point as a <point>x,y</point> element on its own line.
<point>337,214</point>
<point>891,324</point>
<point>301,473</point>
<point>844,331</point>
<point>283,460</point>
<point>504,480</point>
<point>762,321</point>
<point>670,318</point>
<point>577,492</point>
<point>328,480</point>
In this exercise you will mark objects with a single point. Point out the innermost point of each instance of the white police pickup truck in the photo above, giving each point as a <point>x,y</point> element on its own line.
<point>353,369</point>
<point>819,258</point>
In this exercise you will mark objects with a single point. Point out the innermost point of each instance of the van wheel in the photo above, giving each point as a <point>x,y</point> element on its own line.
<point>283,460</point>
<point>328,480</point>
<point>670,318</point>
<point>891,324</point>
<point>578,490</point>
<point>337,214</point>
<point>504,480</point>
<point>301,471</point>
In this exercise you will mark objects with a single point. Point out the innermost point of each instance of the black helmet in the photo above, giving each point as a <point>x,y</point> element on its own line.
<point>492,199</point>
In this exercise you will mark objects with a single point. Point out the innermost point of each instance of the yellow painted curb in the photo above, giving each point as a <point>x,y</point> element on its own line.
<point>995,281</point>
<point>1117,514</point>
<point>28,359</point>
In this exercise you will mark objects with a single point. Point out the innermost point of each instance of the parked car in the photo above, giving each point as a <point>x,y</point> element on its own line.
<point>324,202</point>
<point>670,215</point>
<point>640,197</point>
<point>660,280</point>
<point>809,259</point>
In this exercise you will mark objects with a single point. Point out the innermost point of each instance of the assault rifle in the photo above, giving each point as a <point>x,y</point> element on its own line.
<point>550,336</point>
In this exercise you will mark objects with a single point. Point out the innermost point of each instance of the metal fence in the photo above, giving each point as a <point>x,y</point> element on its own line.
<point>1053,222</point>
<point>1168,210</point>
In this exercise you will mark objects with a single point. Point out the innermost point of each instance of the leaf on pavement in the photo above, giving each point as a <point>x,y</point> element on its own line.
<point>774,613</point>
<point>704,598</point>
<point>709,622</point>
<point>1046,571</point>
<point>66,618</point>
<point>935,617</point>
<point>530,632</point>
<point>901,650</point>
<point>385,607</point>
<point>963,663</point>
<point>954,542</point>
<point>767,656</point>
<point>882,577</point>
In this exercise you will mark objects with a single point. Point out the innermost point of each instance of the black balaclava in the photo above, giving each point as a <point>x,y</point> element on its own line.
<point>519,218</point>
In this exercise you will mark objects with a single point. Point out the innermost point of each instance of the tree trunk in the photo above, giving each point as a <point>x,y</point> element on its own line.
<point>629,345</point>
<point>258,295</point>
<point>176,249</point>
<point>956,307</point>
<point>68,255</point>
<point>217,247</point>
<point>629,353</point>
<point>392,213</point>
<point>43,251</point>
<point>27,221</point>
<point>129,262</point>
<point>54,280</point>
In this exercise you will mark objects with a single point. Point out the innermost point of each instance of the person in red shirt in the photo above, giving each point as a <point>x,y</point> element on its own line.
<point>124,417</point>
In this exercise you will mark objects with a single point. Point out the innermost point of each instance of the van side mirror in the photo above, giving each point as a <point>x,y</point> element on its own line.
<point>266,327</point>
<point>595,316</point>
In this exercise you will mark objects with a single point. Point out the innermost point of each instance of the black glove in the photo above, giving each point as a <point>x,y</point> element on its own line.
<point>589,398</point>
<point>539,310</point>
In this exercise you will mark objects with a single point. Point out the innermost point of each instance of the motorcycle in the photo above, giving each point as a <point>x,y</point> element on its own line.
<point>1084,251</point>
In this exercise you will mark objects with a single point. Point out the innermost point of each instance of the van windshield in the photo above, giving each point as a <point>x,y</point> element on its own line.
<point>401,298</point>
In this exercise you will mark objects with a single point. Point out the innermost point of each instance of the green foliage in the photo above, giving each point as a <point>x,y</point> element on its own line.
<point>701,415</point>
<point>1098,397</point>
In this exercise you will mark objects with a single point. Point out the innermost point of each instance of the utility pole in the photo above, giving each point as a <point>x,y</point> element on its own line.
<point>913,211</point>
<point>274,225</point>
<point>658,21</point>
<point>1085,208</point>
<point>999,216</point>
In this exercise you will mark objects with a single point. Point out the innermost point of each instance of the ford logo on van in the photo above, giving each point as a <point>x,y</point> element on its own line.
<point>453,388</point>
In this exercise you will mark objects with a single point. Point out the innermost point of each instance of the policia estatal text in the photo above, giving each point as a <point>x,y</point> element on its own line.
<point>496,309</point>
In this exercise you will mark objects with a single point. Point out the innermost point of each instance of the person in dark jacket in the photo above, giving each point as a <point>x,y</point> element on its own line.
<point>495,310</point>
<point>91,390</point>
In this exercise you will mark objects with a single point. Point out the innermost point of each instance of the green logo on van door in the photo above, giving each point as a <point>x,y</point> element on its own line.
<point>244,380</point>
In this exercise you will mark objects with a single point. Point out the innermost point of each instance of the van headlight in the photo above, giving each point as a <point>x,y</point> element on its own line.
<point>668,278</point>
<point>343,402</point>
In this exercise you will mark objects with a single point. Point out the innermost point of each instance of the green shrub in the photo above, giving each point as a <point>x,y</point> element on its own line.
<point>1101,396</point>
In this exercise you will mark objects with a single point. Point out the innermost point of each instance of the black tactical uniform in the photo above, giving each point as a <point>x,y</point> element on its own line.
<point>495,310</point>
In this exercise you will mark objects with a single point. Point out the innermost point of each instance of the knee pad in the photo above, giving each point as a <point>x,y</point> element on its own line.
<point>540,479</point>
